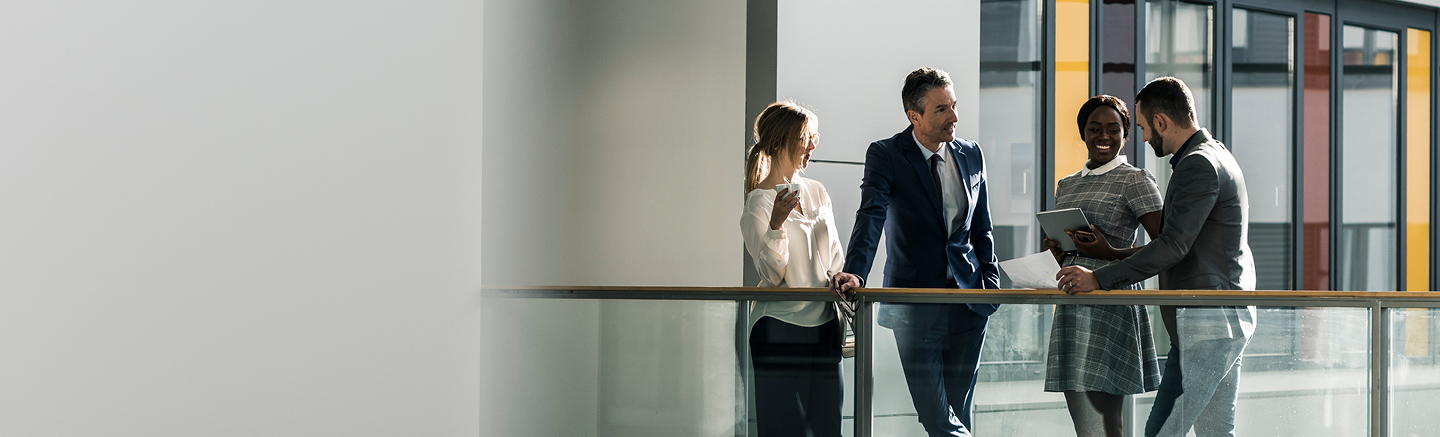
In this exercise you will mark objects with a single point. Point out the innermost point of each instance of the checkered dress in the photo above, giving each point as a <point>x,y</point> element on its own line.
<point>1105,348</point>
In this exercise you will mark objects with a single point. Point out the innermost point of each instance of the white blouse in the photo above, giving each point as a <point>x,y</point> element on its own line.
<point>804,252</point>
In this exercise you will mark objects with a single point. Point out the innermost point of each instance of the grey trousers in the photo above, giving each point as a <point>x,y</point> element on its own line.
<point>1199,388</point>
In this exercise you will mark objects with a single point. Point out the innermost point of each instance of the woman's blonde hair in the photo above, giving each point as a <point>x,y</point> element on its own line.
<point>779,129</point>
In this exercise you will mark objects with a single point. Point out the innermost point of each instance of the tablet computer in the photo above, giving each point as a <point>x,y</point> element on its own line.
<point>1056,222</point>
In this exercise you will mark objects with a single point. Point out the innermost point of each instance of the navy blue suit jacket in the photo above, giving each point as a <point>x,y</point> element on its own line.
<point>898,195</point>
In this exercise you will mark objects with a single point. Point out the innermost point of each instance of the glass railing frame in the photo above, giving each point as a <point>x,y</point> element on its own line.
<point>1377,302</point>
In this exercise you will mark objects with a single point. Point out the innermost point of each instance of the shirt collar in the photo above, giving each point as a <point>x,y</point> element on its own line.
<point>1086,171</point>
<point>1200,136</point>
<point>926,152</point>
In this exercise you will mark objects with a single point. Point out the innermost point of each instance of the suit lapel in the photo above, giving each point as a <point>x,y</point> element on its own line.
<point>922,168</point>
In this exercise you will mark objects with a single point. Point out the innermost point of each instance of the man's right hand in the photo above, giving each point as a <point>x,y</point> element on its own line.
<point>843,284</point>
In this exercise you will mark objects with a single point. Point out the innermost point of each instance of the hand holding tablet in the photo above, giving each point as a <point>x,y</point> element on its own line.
<point>1056,222</point>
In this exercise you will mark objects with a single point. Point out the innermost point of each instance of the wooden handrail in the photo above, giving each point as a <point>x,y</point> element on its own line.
<point>1001,292</point>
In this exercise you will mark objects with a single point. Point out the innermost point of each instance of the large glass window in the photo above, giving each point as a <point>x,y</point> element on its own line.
<point>1117,72</point>
<point>1179,42</point>
<point>1262,114</point>
<point>1369,144</point>
<point>1010,82</point>
<point>1010,93</point>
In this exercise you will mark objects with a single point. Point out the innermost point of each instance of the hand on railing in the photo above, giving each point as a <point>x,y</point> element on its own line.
<point>1076,279</point>
<point>842,285</point>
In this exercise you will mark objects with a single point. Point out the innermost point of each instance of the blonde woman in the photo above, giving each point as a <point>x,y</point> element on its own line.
<point>790,233</point>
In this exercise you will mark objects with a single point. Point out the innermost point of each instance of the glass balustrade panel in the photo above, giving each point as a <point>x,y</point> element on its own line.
<point>1414,372</point>
<point>584,367</point>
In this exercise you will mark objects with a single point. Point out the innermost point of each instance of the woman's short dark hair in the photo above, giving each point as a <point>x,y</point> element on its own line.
<point>1104,100</point>
<point>1167,95</point>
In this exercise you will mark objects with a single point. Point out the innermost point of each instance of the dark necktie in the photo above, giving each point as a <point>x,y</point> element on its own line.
<point>939,192</point>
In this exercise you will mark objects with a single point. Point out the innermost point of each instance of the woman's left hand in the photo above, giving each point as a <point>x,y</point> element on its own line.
<point>1054,248</point>
<point>1092,243</point>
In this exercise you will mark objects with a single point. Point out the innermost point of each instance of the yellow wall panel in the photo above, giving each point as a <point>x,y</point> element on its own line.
<point>1072,83</point>
<point>1417,187</point>
<point>1417,162</point>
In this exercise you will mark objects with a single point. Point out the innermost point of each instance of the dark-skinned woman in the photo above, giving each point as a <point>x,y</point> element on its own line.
<point>1101,353</point>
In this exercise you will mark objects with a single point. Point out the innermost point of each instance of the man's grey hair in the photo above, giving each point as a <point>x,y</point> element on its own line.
<point>919,83</point>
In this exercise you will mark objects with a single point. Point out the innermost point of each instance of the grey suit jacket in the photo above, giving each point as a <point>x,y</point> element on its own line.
<point>1202,243</point>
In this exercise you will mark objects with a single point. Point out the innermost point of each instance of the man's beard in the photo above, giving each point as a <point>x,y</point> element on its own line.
<point>1158,145</point>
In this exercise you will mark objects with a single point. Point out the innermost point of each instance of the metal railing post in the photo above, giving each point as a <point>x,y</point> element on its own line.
<point>1127,414</point>
<point>742,354</point>
<point>1379,370</point>
<point>864,362</point>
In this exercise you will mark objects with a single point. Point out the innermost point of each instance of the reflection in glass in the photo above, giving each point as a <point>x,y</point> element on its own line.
<point>612,367</point>
<point>1010,91</point>
<point>1011,118</point>
<point>1010,397</point>
<point>1414,373</point>
<point>1318,385</point>
<point>1317,152</point>
<point>1010,62</point>
<point>1313,379</point>
<point>1117,72</point>
<point>1179,43</point>
<point>1368,146</point>
<point>1262,114</point>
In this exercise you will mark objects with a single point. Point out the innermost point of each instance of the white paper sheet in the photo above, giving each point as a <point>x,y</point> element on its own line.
<point>1033,271</point>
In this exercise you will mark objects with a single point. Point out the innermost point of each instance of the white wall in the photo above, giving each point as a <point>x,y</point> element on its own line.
<point>615,143</point>
<point>239,218</point>
<point>847,61</point>
<point>613,151</point>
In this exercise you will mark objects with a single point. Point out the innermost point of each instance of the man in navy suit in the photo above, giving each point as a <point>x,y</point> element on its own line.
<point>926,189</point>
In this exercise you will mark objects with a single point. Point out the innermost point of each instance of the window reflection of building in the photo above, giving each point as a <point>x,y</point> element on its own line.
<point>1010,102</point>
<point>1179,43</point>
<point>1368,239</point>
<point>1263,123</point>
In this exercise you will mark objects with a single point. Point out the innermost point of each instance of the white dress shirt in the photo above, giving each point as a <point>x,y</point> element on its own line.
<point>951,192</point>
<point>804,252</point>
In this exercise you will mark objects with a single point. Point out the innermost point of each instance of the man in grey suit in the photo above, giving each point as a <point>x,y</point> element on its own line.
<point>1202,246</point>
